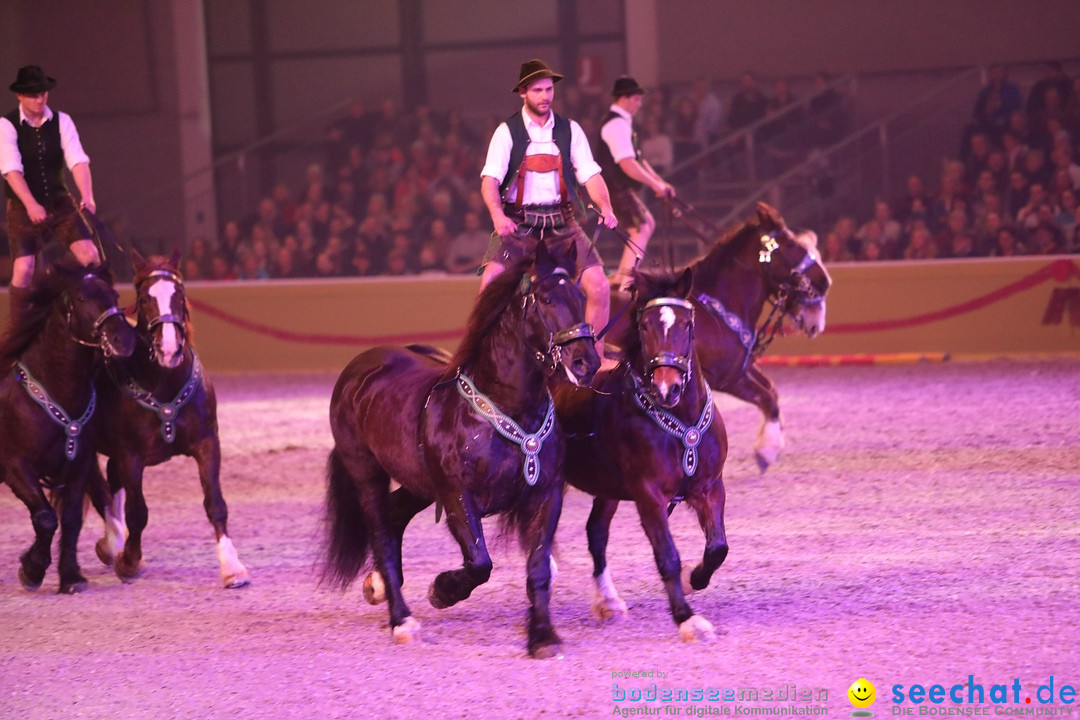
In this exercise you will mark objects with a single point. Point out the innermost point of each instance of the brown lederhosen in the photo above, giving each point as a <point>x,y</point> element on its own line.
<point>62,223</point>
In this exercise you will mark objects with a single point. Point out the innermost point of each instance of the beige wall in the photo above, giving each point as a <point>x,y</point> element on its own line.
<point>720,39</point>
<point>320,326</point>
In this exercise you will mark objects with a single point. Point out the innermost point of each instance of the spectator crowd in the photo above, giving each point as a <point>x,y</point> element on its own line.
<point>398,192</point>
<point>1010,190</point>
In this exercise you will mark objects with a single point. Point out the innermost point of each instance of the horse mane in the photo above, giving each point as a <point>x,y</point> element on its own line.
<point>485,315</point>
<point>726,249</point>
<point>59,273</point>
<point>645,286</point>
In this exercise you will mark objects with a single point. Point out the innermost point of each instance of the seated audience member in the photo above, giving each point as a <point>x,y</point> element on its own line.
<point>1045,240</point>
<point>469,246</point>
<point>920,245</point>
<point>872,251</point>
<point>1006,243</point>
<point>835,250</point>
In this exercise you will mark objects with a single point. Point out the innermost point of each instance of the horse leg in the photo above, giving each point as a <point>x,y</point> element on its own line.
<point>653,513</point>
<point>208,458</point>
<point>110,507</point>
<point>543,641</point>
<point>463,518</point>
<point>404,506</point>
<point>710,511</point>
<point>72,497</point>
<point>358,499</point>
<point>126,472</point>
<point>756,388</point>
<point>606,603</point>
<point>36,560</point>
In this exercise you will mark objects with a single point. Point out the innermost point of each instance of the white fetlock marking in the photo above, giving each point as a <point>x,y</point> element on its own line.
<point>606,603</point>
<point>407,632</point>
<point>116,531</point>
<point>374,588</point>
<point>770,442</point>
<point>696,628</point>
<point>233,572</point>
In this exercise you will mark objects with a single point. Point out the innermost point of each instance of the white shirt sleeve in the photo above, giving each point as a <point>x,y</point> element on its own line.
<point>619,137</point>
<point>10,159</point>
<point>581,154</point>
<point>498,155</point>
<point>69,141</point>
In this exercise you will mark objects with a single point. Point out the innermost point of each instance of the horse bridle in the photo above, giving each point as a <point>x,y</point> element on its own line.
<point>668,358</point>
<point>794,288</point>
<point>180,321</point>
<point>552,356</point>
<point>97,336</point>
<point>797,285</point>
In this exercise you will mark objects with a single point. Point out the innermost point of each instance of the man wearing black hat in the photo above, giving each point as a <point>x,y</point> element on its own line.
<point>36,146</point>
<point>536,163</point>
<point>626,171</point>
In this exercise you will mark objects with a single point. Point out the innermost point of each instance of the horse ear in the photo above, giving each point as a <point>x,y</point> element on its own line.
<point>175,259</point>
<point>685,283</point>
<point>767,214</point>
<point>544,259</point>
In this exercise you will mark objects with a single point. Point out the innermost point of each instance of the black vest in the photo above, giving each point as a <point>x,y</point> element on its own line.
<point>520,136</point>
<point>42,158</point>
<point>613,174</point>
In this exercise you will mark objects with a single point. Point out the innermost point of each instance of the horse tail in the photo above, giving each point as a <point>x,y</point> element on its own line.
<point>347,546</point>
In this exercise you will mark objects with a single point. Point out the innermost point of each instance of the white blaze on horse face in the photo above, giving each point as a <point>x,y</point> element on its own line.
<point>162,292</point>
<point>667,319</point>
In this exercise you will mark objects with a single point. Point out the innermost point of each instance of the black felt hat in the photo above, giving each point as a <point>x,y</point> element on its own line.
<point>627,85</point>
<point>535,70</point>
<point>32,80</point>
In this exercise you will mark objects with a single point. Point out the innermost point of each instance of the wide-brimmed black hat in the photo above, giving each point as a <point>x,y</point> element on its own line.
<point>535,70</point>
<point>32,80</point>
<point>627,85</point>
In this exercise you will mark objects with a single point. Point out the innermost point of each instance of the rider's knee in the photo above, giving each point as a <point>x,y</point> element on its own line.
<point>22,271</point>
<point>594,283</point>
<point>86,252</point>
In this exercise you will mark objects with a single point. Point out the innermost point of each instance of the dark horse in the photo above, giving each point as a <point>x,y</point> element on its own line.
<point>48,359</point>
<point>153,406</point>
<point>760,261</point>
<point>648,431</point>
<point>477,435</point>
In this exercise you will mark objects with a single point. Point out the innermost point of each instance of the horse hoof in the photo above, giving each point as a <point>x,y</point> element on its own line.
<point>374,588</point>
<point>104,552</point>
<point>73,588</point>
<point>696,628</point>
<point>126,571</point>
<point>407,632</point>
<point>547,652</point>
<point>27,583</point>
<point>235,582</point>
<point>610,609</point>
<point>436,601</point>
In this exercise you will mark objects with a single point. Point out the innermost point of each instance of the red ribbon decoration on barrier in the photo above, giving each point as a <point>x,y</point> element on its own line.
<point>1057,271</point>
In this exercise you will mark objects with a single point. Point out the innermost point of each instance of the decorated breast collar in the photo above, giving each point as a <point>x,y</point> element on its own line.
<point>167,412</point>
<point>530,444</point>
<point>747,336</point>
<point>72,428</point>
<point>690,436</point>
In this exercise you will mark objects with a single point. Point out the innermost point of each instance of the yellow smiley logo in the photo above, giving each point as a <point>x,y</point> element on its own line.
<point>862,693</point>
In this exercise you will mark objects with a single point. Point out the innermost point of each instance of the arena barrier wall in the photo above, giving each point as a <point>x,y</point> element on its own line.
<point>880,312</point>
